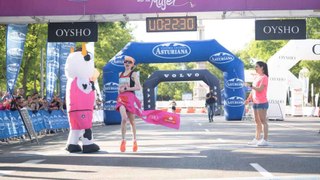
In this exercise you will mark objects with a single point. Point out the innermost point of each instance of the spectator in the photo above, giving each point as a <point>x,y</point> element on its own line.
<point>35,105</point>
<point>1,100</point>
<point>16,103</point>
<point>5,96</point>
<point>20,92</point>
<point>6,104</point>
<point>28,101</point>
<point>173,106</point>
<point>43,104</point>
<point>98,104</point>
<point>64,104</point>
<point>1,95</point>
<point>56,103</point>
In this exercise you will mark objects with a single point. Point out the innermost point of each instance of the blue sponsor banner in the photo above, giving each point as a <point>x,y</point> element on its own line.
<point>64,53</point>
<point>16,37</point>
<point>11,124</point>
<point>52,69</point>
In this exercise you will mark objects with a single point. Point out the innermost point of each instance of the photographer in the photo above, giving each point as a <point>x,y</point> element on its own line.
<point>210,104</point>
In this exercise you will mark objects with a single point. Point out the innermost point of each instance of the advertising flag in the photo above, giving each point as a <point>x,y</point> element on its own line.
<point>52,69</point>
<point>64,51</point>
<point>16,37</point>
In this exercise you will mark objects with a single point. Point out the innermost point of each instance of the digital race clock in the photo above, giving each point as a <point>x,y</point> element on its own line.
<point>169,24</point>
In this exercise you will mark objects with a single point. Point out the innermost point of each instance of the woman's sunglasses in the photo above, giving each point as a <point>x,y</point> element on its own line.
<point>129,62</point>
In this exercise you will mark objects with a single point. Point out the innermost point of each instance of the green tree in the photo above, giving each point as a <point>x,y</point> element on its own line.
<point>263,50</point>
<point>145,71</point>
<point>3,57</point>
<point>113,36</point>
<point>173,90</point>
<point>29,76</point>
<point>313,28</point>
<point>215,71</point>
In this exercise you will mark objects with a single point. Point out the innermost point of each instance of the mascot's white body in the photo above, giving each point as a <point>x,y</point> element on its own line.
<point>80,99</point>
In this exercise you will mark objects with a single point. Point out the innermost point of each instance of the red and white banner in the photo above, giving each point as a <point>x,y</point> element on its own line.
<point>167,119</point>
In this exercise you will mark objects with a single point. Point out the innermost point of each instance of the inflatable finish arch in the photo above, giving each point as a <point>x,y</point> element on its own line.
<point>177,75</point>
<point>173,52</point>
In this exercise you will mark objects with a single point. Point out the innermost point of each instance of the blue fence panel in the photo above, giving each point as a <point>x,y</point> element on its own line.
<point>37,121</point>
<point>11,124</point>
<point>17,123</point>
<point>11,121</point>
<point>53,119</point>
<point>40,121</point>
<point>34,120</point>
<point>46,119</point>
<point>56,118</point>
<point>65,123</point>
<point>4,130</point>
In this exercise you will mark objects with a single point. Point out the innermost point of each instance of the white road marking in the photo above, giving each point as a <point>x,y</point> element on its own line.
<point>200,124</point>
<point>294,127</point>
<point>261,170</point>
<point>207,130</point>
<point>4,173</point>
<point>307,177</point>
<point>221,140</point>
<point>36,161</point>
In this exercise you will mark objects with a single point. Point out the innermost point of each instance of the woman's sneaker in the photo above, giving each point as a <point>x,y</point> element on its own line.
<point>263,142</point>
<point>253,142</point>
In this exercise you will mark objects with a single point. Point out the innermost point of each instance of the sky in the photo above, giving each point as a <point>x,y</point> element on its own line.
<point>233,34</point>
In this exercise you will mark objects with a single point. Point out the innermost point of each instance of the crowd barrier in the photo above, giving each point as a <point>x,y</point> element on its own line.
<point>11,124</point>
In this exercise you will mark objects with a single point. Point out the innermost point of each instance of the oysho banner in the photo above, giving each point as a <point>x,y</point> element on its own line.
<point>52,68</point>
<point>16,37</point>
<point>73,32</point>
<point>64,51</point>
<point>280,29</point>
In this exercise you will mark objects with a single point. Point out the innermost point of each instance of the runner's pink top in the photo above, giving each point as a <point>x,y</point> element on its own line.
<point>260,97</point>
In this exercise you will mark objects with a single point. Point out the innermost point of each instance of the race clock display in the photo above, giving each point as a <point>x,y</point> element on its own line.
<point>171,24</point>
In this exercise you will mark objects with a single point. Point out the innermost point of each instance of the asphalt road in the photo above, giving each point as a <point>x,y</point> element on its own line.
<point>199,150</point>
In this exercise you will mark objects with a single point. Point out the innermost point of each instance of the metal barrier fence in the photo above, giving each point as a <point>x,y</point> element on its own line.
<point>11,124</point>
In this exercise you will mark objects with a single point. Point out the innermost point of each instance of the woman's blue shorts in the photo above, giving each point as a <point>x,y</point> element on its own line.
<point>261,106</point>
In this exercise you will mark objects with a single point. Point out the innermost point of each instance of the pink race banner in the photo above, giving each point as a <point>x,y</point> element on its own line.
<point>158,117</point>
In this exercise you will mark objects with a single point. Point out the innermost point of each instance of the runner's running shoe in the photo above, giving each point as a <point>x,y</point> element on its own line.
<point>135,146</point>
<point>123,146</point>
